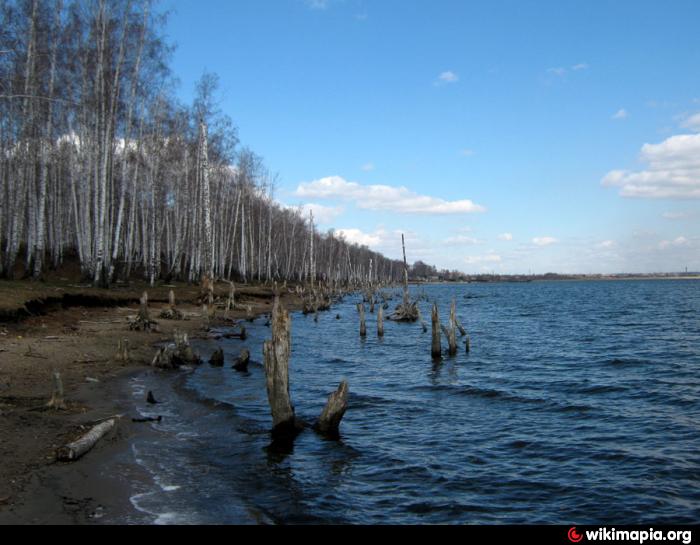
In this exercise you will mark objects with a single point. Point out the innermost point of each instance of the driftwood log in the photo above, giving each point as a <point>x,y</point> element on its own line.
<point>276,359</point>
<point>329,421</point>
<point>81,446</point>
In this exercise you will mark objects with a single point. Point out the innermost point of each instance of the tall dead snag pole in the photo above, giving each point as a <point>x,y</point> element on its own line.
<point>436,348</point>
<point>276,358</point>
<point>406,311</point>
<point>363,325</point>
<point>380,322</point>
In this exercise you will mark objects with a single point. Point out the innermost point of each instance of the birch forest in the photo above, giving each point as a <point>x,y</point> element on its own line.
<point>100,163</point>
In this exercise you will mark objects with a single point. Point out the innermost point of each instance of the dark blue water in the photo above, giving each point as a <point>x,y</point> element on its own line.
<point>579,403</point>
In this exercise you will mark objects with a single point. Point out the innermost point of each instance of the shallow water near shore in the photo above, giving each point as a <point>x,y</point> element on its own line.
<point>578,403</point>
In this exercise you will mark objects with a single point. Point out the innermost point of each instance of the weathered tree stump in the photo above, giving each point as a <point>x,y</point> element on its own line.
<point>436,347</point>
<point>143,321</point>
<point>276,359</point>
<point>451,331</point>
<point>57,401</point>
<point>241,363</point>
<point>329,421</point>
<point>122,354</point>
<point>230,302</point>
<point>173,357</point>
<point>150,399</point>
<point>363,325</point>
<point>380,322</point>
<point>217,358</point>
<point>171,313</point>
<point>75,450</point>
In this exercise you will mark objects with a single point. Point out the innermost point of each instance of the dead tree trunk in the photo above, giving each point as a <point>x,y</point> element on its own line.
<point>436,348</point>
<point>276,359</point>
<point>451,331</point>
<point>380,322</point>
<point>241,363</point>
<point>363,326</point>
<point>329,421</point>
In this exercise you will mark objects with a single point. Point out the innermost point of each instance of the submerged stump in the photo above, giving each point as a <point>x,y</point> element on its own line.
<point>217,358</point>
<point>241,363</point>
<point>436,347</point>
<point>329,421</point>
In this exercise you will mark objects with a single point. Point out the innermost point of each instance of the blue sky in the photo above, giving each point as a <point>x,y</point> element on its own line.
<point>501,136</point>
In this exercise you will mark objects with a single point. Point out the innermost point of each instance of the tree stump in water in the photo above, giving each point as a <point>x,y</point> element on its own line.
<point>276,359</point>
<point>436,347</point>
<point>173,357</point>
<point>329,421</point>
<point>380,323</point>
<point>217,358</point>
<point>363,326</point>
<point>451,331</point>
<point>241,363</point>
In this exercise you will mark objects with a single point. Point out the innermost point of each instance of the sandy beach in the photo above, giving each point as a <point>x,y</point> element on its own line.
<point>49,330</point>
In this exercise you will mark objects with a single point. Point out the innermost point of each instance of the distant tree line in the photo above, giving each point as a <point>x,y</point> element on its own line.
<point>98,159</point>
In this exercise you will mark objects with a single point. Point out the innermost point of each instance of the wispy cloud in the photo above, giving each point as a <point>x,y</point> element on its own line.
<point>580,66</point>
<point>446,78</point>
<point>505,236</point>
<point>544,241</point>
<point>466,152</point>
<point>561,71</point>
<point>620,114</point>
<point>367,167</point>
<point>317,4</point>
<point>384,197</point>
<point>673,171</point>
<point>692,122</point>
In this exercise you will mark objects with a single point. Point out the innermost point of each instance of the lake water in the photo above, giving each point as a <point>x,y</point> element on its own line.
<point>579,403</point>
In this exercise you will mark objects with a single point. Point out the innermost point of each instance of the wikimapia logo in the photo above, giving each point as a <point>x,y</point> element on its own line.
<point>636,536</point>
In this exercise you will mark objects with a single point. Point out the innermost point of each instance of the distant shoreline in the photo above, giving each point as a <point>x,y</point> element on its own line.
<point>556,278</point>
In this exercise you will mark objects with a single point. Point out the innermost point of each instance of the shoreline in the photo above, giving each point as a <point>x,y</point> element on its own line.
<point>80,342</point>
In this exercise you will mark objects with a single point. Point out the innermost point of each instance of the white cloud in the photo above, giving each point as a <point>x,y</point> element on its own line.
<point>620,114</point>
<point>367,167</point>
<point>678,242</point>
<point>384,197</point>
<point>447,77</point>
<point>677,215</point>
<point>481,259</point>
<point>673,171</point>
<point>461,240</point>
<point>323,215</point>
<point>544,241</point>
<point>606,244</point>
<point>580,66</point>
<point>558,71</point>
<point>692,122</point>
<point>505,236</point>
<point>357,236</point>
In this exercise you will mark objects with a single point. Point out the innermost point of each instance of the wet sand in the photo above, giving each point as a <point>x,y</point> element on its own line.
<point>80,343</point>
